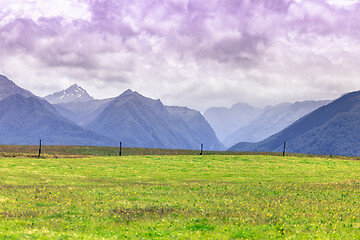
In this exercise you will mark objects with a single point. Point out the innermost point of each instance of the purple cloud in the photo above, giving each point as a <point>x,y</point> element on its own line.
<point>166,48</point>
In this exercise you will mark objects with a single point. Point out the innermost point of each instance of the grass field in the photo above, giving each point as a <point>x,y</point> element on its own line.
<point>56,151</point>
<point>59,151</point>
<point>179,197</point>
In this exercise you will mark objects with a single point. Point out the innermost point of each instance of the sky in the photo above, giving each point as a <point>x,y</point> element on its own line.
<point>192,53</point>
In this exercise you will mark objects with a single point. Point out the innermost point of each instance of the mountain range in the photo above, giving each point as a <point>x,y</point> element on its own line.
<point>331,129</point>
<point>76,118</point>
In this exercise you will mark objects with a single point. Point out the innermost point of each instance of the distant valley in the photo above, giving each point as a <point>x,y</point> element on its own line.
<point>272,120</point>
<point>333,129</point>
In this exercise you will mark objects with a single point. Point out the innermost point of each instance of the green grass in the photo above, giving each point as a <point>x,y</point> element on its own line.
<point>180,197</point>
<point>59,151</point>
<point>82,151</point>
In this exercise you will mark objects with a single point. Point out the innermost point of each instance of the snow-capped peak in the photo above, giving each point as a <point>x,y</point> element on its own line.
<point>74,93</point>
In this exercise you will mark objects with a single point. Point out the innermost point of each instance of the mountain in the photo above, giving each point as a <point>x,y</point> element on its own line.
<point>24,120</point>
<point>226,121</point>
<point>8,88</point>
<point>74,93</point>
<point>200,129</point>
<point>272,120</point>
<point>143,122</point>
<point>331,129</point>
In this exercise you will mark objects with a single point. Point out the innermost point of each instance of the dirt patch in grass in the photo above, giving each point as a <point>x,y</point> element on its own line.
<point>131,213</point>
<point>19,214</point>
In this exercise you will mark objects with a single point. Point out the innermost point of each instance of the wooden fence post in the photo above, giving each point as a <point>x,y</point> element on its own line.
<point>202,147</point>
<point>120,150</point>
<point>284,152</point>
<point>39,148</point>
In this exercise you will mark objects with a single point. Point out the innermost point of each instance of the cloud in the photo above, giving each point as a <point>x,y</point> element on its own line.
<point>218,53</point>
<point>35,9</point>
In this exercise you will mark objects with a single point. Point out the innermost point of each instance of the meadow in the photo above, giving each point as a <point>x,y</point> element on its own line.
<point>180,197</point>
<point>58,151</point>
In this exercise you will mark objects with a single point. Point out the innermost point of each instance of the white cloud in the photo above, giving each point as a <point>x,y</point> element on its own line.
<point>342,2</point>
<point>34,9</point>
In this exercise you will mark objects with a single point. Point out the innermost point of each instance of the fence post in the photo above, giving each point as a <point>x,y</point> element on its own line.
<point>39,148</point>
<point>202,147</point>
<point>284,152</point>
<point>120,150</point>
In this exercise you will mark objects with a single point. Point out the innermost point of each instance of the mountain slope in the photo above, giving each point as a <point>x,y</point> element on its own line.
<point>200,129</point>
<point>331,129</point>
<point>273,120</point>
<point>8,88</point>
<point>74,93</point>
<point>143,122</point>
<point>226,121</point>
<point>24,120</point>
